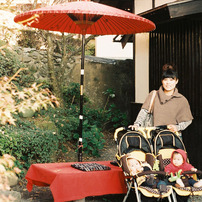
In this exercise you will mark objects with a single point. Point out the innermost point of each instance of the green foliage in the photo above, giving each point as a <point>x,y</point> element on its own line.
<point>107,117</point>
<point>110,92</point>
<point>28,143</point>
<point>115,117</point>
<point>71,94</point>
<point>31,39</point>
<point>95,117</point>
<point>90,48</point>
<point>9,64</point>
<point>37,144</point>
<point>14,100</point>
<point>66,121</point>
<point>92,139</point>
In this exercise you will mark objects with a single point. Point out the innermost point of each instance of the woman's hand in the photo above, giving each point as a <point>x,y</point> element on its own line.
<point>134,126</point>
<point>172,128</point>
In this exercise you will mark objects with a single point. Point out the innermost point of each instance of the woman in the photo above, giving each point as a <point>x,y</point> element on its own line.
<point>170,107</point>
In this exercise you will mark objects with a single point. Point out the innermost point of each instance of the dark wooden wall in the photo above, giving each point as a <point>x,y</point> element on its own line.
<point>180,42</point>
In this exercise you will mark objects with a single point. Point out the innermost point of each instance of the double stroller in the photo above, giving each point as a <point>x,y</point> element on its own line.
<point>151,146</point>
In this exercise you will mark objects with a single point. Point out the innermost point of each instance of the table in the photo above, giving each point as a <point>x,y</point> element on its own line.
<point>67,183</point>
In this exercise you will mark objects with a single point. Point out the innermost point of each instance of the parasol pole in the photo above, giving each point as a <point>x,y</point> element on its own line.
<point>80,143</point>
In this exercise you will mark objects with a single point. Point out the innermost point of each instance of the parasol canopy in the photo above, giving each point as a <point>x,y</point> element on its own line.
<point>84,17</point>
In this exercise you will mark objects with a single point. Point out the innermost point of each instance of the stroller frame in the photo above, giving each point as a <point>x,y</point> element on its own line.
<point>166,142</point>
<point>146,147</point>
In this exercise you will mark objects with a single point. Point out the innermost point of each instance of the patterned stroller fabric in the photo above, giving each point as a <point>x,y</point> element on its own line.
<point>164,144</point>
<point>135,144</point>
<point>153,145</point>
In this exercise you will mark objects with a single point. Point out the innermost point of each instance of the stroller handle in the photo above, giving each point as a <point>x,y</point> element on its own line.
<point>117,131</point>
<point>142,130</point>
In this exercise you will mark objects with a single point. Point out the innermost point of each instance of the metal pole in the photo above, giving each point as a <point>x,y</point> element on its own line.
<point>80,144</point>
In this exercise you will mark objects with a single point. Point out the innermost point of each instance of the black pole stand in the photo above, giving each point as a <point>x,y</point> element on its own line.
<point>80,144</point>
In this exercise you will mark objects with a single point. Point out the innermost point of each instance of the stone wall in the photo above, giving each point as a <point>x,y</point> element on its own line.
<point>100,75</point>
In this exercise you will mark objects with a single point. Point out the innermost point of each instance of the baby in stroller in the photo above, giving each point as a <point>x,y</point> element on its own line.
<point>135,166</point>
<point>179,164</point>
<point>140,166</point>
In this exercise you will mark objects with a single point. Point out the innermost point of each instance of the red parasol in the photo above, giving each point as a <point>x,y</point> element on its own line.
<point>85,17</point>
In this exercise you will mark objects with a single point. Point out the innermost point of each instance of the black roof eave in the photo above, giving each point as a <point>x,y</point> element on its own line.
<point>172,11</point>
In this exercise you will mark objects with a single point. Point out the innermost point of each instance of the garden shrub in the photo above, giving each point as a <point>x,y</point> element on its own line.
<point>28,143</point>
<point>71,94</point>
<point>93,139</point>
<point>31,144</point>
<point>110,116</point>
<point>15,100</point>
<point>65,120</point>
<point>115,117</point>
<point>9,63</point>
<point>67,124</point>
<point>107,119</point>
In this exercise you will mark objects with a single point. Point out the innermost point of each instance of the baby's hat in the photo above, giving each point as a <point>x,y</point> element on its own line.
<point>124,162</point>
<point>132,156</point>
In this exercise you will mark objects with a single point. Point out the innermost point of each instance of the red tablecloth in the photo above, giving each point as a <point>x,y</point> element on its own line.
<point>67,183</point>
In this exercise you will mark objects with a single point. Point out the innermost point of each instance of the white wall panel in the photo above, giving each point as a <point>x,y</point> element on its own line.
<point>161,2</point>
<point>141,67</point>
<point>142,5</point>
<point>106,48</point>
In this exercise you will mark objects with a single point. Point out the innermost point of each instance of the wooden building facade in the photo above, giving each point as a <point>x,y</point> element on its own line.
<point>178,40</point>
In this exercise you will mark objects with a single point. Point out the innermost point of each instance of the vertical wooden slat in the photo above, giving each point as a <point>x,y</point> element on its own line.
<point>200,68</point>
<point>181,46</point>
<point>180,42</point>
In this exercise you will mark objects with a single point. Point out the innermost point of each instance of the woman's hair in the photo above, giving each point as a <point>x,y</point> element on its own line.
<point>169,71</point>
